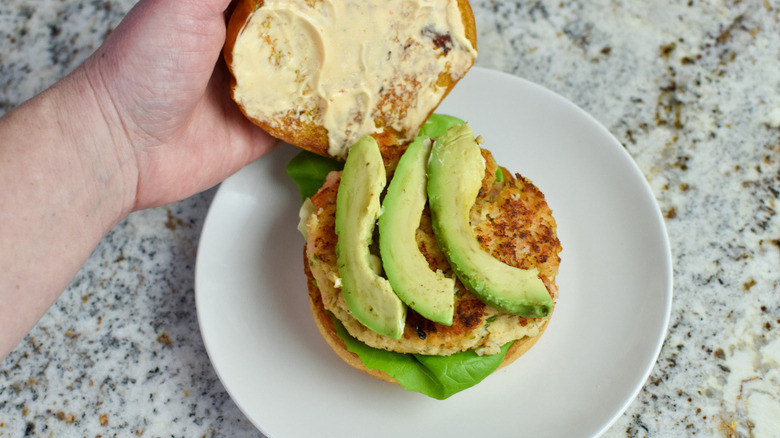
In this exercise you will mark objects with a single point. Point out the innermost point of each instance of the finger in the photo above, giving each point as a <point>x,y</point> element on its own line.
<point>212,7</point>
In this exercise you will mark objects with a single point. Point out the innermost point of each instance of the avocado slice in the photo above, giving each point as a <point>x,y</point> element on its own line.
<point>455,172</point>
<point>430,293</point>
<point>369,296</point>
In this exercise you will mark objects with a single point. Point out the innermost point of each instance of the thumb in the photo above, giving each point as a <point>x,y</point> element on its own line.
<point>209,8</point>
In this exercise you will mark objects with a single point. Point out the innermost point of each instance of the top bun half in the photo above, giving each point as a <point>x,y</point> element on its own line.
<point>320,74</point>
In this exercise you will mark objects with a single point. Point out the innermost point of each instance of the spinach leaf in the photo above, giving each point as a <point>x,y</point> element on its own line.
<point>437,125</point>
<point>309,171</point>
<point>438,377</point>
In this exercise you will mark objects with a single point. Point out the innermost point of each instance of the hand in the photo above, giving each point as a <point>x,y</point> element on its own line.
<point>163,85</point>
<point>145,121</point>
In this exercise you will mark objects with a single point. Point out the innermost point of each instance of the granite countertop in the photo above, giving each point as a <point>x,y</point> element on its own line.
<point>690,88</point>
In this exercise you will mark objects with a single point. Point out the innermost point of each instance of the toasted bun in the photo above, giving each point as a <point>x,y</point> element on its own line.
<point>324,322</point>
<point>297,75</point>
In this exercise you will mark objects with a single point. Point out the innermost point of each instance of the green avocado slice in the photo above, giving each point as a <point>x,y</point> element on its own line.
<point>369,296</point>
<point>455,172</point>
<point>430,293</point>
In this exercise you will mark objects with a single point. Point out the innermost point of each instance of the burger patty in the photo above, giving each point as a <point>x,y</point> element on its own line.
<point>511,220</point>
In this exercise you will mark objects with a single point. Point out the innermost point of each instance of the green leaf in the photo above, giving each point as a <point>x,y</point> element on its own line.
<point>437,124</point>
<point>499,175</point>
<point>309,171</point>
<point>438,377</point>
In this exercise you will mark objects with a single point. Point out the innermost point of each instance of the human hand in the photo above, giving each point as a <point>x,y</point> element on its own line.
<point>160,81</point>
<point>145,121</point>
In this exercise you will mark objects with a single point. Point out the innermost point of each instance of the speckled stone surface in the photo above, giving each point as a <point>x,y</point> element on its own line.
<point>691,88</point>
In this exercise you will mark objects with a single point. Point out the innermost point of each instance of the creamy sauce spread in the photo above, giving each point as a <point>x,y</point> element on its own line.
<point>339,62</point>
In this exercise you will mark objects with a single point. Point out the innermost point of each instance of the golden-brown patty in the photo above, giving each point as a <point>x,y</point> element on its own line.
<point>512,221</point>
<point>327,329</point>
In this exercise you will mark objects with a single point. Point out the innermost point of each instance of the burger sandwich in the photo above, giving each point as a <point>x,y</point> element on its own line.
<point>428,265</point>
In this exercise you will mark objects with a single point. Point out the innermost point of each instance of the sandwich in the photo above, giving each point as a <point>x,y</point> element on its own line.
<point>428,265</point>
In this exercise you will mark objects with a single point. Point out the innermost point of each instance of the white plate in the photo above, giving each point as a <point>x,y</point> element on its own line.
<point>615,291</point>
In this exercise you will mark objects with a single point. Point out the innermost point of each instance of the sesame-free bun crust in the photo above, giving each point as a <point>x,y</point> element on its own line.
<point>397,99</point>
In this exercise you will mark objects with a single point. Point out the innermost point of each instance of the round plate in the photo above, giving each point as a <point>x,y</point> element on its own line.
<point>615,287</point>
